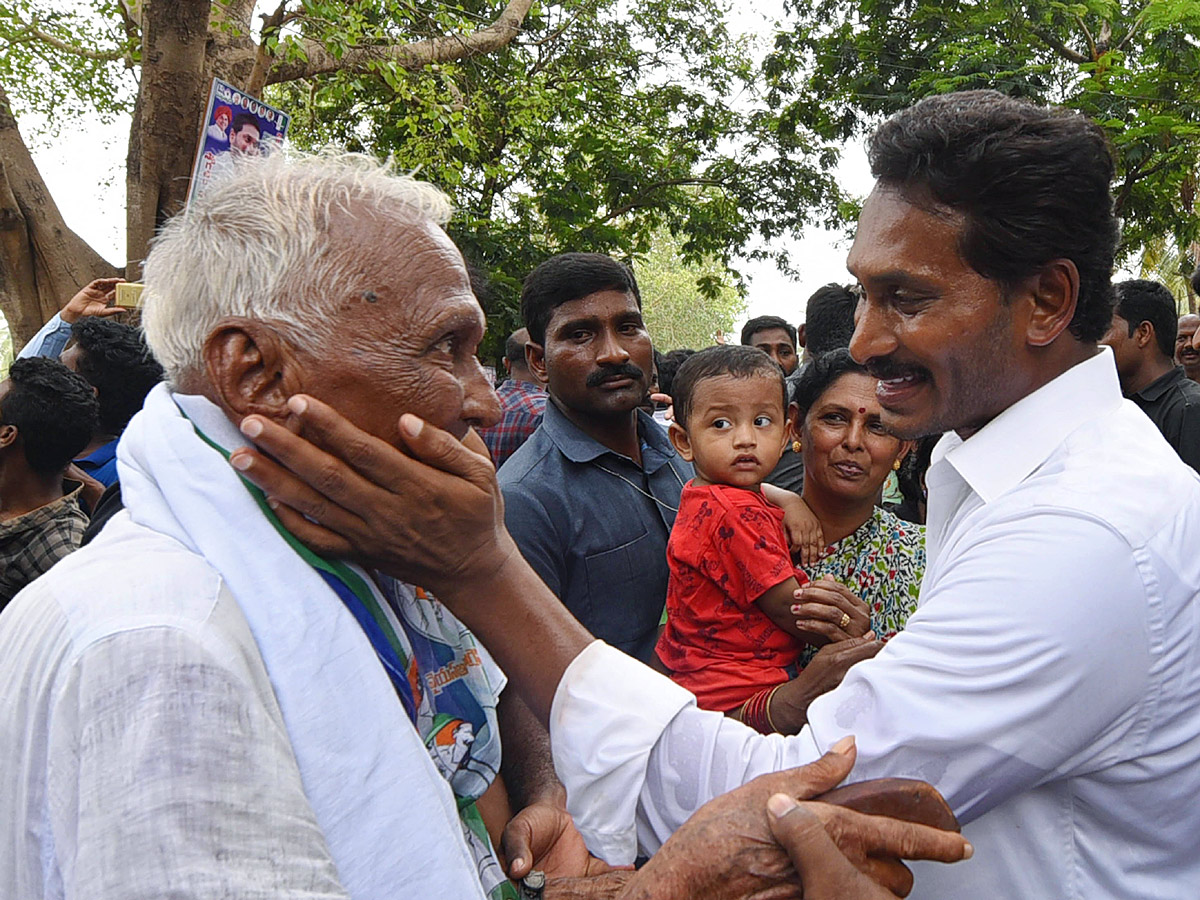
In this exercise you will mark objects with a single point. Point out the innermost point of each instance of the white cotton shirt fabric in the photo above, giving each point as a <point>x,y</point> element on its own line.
<point>1048,684</point>
<point>190,712</point>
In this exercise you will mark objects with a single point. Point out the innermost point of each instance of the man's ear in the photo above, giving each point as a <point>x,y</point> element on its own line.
<point>535,357</point>
<point>1143,335</point>
<point>1055,293</point>
<point>250,367</point>
<point>680,441</point>
<point>8,436</point>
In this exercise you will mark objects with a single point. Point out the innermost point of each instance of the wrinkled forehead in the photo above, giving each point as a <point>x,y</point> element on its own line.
<point>397,259</point>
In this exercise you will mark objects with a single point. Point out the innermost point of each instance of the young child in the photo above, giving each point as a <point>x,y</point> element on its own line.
<point>730,637</point>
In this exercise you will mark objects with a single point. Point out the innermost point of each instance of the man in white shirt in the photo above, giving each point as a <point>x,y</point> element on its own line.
<point>1049,683</point>
<point>196,706</point>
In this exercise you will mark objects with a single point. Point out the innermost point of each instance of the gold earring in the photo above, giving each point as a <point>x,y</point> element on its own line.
<point>896,466</point>
<point>796,447</point>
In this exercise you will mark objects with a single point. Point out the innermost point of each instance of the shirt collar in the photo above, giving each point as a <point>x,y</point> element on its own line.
<point>1009,448</point>
<point>38,518</point>
<point>513,386</point>
<point>102,454</point>
<point>1159,386</point>
<point>578,447</point>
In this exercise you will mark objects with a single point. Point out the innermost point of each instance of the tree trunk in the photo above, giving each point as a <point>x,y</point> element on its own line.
<point>166,119</point>
<point>42,261</point>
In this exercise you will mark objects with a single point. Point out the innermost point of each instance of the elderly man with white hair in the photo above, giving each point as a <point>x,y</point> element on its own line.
<point>198,706</point>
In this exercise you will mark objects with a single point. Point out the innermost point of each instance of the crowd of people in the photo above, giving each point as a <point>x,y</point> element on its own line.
<point>297,603</point>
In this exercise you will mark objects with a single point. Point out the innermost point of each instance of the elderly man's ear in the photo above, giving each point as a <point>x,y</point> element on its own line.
<point>251,369</point>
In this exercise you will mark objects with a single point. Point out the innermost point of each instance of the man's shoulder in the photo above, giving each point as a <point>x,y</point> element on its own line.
<point>130,577</point>
<point>533,457</point>
<point>1118,471</point>
<point>1186,392</point>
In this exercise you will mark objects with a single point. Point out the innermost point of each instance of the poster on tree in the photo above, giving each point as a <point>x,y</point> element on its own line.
<point>235,126</point>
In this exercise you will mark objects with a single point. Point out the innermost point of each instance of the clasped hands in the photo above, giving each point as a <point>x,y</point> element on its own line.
<point>433,515</point>
<point>765,839</point>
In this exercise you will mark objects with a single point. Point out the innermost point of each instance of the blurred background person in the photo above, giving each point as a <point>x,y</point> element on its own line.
<point>522,402</point>
<point>47,415</point>
<point>1142,338</point>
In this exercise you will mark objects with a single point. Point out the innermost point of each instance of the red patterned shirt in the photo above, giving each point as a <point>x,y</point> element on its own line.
<point>727,549</point>
<point>521,408</point>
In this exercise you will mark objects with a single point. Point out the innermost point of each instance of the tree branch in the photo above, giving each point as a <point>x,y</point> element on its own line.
<point>1134,28</point>
<point>1135,175</point>
<point>262,56</point>
<point>1059,47</point>
<point>29,33</point>
<point>640,199</point>
<point>1087,36</point>
<point>414,55</point>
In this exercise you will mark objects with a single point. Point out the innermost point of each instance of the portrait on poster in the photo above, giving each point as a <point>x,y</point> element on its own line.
<point>236,126</point>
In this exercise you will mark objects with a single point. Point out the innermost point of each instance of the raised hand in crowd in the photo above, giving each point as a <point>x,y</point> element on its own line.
<point>94,299</point>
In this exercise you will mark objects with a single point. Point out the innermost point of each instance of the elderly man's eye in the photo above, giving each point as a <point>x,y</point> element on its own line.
<point>445,345</point>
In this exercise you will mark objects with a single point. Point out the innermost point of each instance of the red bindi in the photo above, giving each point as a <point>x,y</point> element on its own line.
<point>862,409</point>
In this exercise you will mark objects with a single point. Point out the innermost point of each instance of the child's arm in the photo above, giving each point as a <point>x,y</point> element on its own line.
<point>802,527</point>
<point>824,610</point>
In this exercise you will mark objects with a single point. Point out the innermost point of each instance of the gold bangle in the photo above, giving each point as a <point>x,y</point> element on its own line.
<point>767,710</point>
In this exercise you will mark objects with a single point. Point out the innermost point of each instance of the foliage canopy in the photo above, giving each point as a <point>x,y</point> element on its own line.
<point>1132,65</point>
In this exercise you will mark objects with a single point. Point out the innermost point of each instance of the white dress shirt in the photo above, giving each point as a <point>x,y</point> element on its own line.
<point>1048,684</point>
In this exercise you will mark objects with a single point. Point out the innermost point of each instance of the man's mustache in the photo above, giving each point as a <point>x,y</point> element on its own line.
<point>628,370</point>
<point>883,368</point>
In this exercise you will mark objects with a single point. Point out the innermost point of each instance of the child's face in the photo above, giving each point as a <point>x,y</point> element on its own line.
<point>736,430</point>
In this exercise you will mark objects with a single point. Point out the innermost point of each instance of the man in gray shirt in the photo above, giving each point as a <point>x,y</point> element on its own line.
<point>591,497</point>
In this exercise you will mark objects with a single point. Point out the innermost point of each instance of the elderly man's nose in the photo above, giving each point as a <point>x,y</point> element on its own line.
<point>481,406</point>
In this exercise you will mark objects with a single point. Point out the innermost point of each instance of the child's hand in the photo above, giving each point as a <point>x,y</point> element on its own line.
<point>803,528</point>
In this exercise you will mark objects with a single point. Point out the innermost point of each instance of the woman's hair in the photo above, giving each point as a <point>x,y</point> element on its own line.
<point>815,378</point>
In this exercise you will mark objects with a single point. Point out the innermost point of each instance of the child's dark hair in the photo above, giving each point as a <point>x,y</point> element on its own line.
<point>712,362</point>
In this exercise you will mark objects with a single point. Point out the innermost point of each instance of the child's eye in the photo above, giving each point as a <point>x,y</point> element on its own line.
<point>762,421</point>
<point>721,424</point>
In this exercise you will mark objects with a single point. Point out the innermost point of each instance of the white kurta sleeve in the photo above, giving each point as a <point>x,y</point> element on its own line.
<point>1025,660</point>
<point>171,776</point>
<point>638,757</point>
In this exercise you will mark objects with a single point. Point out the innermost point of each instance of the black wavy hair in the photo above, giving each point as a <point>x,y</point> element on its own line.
<point>815,378</point>
<point>765,323</point>
<point>723,359</point>
<point>115,359</point>
<point>567,277</point>
<point>1140,300</point>
<point>829,319</point>
<point>1031,182</point>
<point>53,409</point>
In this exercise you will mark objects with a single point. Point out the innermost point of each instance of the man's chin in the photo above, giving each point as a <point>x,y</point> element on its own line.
<point>910,424</point>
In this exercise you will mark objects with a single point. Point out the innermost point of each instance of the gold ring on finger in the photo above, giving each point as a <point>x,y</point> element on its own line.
<point>845,620</point>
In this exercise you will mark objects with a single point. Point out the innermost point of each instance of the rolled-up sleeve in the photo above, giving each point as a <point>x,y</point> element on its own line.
<point>49,341</point>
